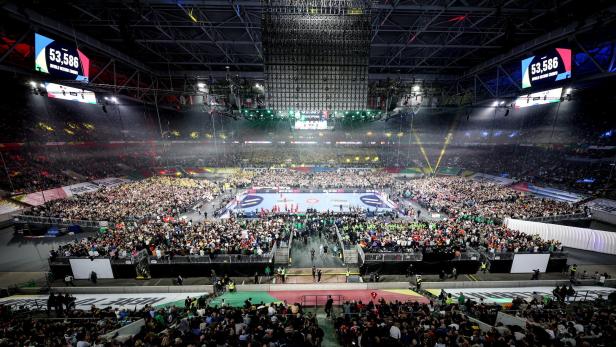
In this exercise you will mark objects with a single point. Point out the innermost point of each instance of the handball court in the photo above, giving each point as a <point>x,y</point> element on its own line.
<point>300,202</point>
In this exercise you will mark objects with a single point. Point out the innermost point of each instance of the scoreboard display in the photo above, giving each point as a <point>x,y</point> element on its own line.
<point>544,70</point>
<point>60,59</point>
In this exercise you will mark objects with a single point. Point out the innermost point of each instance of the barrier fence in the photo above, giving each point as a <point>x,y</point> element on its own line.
<point>552,219</point>
<point>52,221</point>
<point>189,259</point>
<point>392,257</point>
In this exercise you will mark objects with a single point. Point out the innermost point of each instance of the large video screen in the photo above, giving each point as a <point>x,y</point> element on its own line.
<point>58,91</point>
<point>544,70</point>
<point>60,59</point>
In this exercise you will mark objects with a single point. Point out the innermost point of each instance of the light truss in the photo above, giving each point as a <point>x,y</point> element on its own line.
<point>316,54</point>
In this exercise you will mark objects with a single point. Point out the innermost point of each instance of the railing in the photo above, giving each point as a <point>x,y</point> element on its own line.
<point>218,258</point>
<point>510,255</point>
<point>340,243</point>
<point>562,217</point>
<point>382,257</point>
<point>470,254</point>
<point>187,259</point>
<point>24,219</point>
<point>322,299</point>
<point>361,256</point>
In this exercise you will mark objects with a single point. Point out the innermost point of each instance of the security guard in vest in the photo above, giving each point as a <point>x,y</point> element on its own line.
<point>573,271</point>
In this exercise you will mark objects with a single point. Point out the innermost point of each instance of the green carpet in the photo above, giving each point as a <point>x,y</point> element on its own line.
<point>237,299</point>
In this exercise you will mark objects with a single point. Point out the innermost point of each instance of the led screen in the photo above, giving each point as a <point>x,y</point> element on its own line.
<point>539,98</point>
<point>311,125</point>
<point>543,70</point>
<point>60,59</point>
<point>58,91</point>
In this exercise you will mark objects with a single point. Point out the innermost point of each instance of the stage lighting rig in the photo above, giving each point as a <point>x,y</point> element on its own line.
<point>316,54</point>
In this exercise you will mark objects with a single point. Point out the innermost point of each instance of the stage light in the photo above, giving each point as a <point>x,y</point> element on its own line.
<point>495,103</point>
<point>33,84</point>
<point>42,85</point>
<point>568,91</point>
<point>114,99</point>
<point>416,88</point>
<point>502,103</point>
<point>201,85</point>
<point>106,98</point>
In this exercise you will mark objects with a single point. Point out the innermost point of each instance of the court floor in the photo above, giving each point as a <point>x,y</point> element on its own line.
<point>300,202</point>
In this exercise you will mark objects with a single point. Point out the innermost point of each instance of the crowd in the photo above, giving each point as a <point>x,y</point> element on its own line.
<point>322,180</point>
<point>67,326</point>
<point>453,322</point>
<point>448,236</point>
<point>152,199</point>
<point>182,238</point>
<point>195,324</point>
<point>458,196</point>
<point>579,323</point>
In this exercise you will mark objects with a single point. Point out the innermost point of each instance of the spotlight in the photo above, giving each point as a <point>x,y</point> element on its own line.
<point>106,98</point>
<point>568,91</point>
<point>416,88</point>
<point>33,84</point>
<point>42,85</point>
<point>114,99</point>
<point>495,103</point>
<point>201,85</point>
<point>502,103</point>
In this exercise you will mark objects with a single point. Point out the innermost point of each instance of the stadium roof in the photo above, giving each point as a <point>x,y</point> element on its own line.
<point>433,38</point>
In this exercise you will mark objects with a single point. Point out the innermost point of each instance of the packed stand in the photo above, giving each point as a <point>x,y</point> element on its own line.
<point>182,238</point>
<point>152,199</point>
<point>450,237</point>
<point>462,197</point>
<point>323,180</point>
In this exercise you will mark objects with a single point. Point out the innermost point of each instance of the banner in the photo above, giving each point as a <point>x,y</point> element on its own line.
<point>85,301</point>
<point>491,178</point>
<point>605,205</point>
<point>111,181</point>
<point>80,188</point>
<point>7,206</point>
<point>39,198</point>
<point>448,171</point>
<point>552,193</point>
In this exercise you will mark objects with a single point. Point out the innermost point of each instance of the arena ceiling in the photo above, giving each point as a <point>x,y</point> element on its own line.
<point>437,37</point>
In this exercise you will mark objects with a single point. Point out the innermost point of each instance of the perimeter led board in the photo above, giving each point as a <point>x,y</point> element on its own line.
<point>546,69</point>
<point>60,59</point>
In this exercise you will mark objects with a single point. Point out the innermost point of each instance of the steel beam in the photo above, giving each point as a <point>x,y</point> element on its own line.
<point>12,48</point>
<point>32,17</point>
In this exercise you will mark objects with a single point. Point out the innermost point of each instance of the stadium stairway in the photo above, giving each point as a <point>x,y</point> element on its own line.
<point>328,275</point>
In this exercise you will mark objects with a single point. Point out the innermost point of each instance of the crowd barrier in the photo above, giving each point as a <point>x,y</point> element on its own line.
<point>188,266</point>
<point>501,262</point>
<point>399,263</point>
<point>59,222</point>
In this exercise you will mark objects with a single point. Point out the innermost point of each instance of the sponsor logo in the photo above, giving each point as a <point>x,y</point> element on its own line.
<point>251,201</point>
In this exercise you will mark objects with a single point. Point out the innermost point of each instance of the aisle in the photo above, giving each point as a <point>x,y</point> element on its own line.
<point>300,254</point>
